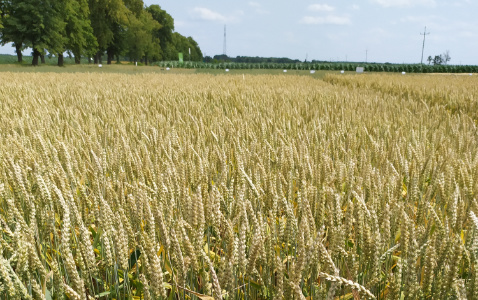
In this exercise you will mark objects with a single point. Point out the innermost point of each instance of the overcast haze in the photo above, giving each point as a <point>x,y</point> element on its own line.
<point>330,30</point>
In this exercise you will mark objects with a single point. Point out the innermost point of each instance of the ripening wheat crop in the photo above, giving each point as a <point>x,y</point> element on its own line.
<point>229,187</point>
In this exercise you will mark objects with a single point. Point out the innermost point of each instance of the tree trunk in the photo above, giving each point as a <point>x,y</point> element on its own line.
<point>42,57</point>
<point>118,59</point>
<point>36,54</point>
<point>18,50</point>
<point>99,57</point>
<point>95,59</point>
<point>146,60</point>
<point>109,56</point>
<point>60,59</point>
<point>77,58</point>
<point>89,59</point>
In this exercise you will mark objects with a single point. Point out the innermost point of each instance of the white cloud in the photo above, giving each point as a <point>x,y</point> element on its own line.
<point>254,4</point>
<point>320,7</point>
<point>208,15</point>
<point>180,24</point>
<point>431,21</point>
<point>415,19</point>
<point>332,20</point>
<point>355,7</point>
<point>405,3</point>
<point>258,8</point>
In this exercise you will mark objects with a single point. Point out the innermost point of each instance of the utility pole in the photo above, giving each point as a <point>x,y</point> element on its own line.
<point>366,55</point>
<point>224,46</point>
<point>425,33</point>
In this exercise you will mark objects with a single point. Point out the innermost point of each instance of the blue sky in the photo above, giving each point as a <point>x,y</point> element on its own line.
<point>330,30</point>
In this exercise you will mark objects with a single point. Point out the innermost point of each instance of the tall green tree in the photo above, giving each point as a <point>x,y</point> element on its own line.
<point>93,27</point>
<point>108,18</point>
<point>132,11</point>
<point>9,32</point>
<point>152,50</point>
<point>172,42</point>
<point>1,21</point>
<point>3,4</point>
<point>183,44</point>
<point>142,44</point>
<point>136,7</point>
<point>165,33</point>
<point>37,24</point>
<point>77,31</point>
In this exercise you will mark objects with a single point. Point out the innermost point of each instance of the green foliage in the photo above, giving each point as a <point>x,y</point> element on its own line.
<point>122,27</point>
<point>107,18</point>
<point>78,30</point>
<point>165,32</point>
<point>182,44</point>
<point>134,6</point>
<point>140,38</point>
<point>49,60</point>
<point>36,24</point>
<point>196,54</point>
<point>172,42</point>
<point>91,27</point>
<point>408,68</point>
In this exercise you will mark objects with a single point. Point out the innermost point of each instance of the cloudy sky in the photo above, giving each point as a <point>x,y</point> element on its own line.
<point>336,30</point>
<point>333,29</point>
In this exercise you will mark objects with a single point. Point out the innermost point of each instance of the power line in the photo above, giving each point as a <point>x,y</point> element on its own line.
<point>425,33</point>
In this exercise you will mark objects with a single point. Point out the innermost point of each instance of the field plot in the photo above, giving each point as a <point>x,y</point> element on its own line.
<point>131,69</point>
<point>183,186</point>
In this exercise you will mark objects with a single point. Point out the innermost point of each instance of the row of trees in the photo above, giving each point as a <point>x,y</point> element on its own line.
<point>442,59</point>
<point>92,28</point>
<point>249,59</point>
<point>335,66</point>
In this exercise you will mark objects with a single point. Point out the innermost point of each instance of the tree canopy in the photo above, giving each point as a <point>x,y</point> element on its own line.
<point>36,24</point>
<point>441,59</point>
<point>93,28</point>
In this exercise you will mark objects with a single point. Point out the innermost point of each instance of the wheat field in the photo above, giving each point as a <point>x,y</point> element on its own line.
<point>153,186</point>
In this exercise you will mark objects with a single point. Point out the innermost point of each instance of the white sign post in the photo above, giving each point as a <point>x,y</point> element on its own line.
<point>359,70</point>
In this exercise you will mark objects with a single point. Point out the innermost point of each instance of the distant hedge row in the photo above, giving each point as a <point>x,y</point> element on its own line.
<point>409,68</point>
